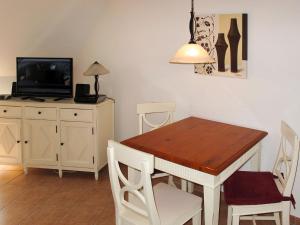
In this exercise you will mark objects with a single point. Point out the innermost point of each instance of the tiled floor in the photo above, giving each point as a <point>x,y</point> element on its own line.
<point>41,198</point>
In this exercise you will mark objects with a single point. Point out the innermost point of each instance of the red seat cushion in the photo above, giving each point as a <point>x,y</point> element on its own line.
<point>251,188</point>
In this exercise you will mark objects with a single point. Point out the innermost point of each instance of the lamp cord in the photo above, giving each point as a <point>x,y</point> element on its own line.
<point>192,23</point>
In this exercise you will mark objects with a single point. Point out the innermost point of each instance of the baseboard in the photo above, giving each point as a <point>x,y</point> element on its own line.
<point>295,220</point>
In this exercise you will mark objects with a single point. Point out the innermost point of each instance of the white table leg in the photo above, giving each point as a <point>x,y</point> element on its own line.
<point>255,160</point>
<point>183,185</point>
<point>211,205</point>
<point>190,187</point>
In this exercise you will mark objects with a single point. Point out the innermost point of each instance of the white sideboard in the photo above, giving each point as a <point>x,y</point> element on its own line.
<point>60,135</point>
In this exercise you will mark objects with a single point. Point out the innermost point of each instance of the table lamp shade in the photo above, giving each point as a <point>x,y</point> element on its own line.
<point>191,53</point>
<point>96,69</point>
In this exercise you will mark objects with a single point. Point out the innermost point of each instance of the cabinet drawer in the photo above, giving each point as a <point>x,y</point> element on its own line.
<point>82,115</point>
<point>40,113</point>
<point>10,112</point>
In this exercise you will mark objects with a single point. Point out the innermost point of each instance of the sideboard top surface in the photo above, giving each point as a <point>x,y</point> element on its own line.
<point>49,102</point>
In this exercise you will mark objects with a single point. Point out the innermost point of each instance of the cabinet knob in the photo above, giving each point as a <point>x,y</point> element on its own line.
<point>4,110</point>
<point>25,142</point>
<point>75,114</point>
<point>39,112</point>
<point>18,142</point>
<point>61,144</point>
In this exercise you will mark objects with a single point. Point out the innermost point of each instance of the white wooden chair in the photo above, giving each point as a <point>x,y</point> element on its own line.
<point>250,193</point>
<point>160,205</point>
<point>167,108</point>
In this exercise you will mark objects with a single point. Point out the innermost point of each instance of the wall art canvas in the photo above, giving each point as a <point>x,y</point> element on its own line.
<point>224,36</point>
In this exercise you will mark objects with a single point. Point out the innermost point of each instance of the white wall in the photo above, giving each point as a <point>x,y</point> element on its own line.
<point>144,34</point>
<point>136,38</point>
<point>51,28</point>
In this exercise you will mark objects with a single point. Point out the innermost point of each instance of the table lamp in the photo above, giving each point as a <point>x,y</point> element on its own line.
<point>96,69</point>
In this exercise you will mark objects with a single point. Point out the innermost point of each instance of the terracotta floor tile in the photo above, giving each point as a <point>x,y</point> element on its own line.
<point>42,198</point>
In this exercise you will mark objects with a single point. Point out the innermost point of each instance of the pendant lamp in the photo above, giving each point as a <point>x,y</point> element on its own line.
<point>192,53</point>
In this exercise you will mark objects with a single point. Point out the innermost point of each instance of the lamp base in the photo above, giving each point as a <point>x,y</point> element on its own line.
<point>96,85</point>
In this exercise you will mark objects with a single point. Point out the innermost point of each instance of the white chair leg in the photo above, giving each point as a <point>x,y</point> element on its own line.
<point>197,219</point>
<point>235,220</point>
<point>229,215</point>
<point>183,185</point>
<point>277,218</point>
<point>171,181</point>
<point>190,187</point>
<point>253,220</point>
<point>286,213</point>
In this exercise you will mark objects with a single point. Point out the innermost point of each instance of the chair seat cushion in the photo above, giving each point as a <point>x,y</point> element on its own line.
<point>251,188</point>
<point>175,206</point>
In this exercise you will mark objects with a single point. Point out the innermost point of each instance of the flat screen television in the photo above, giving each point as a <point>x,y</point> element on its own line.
<point>44,77</point>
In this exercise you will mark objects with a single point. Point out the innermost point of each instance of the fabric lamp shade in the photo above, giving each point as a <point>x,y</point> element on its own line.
<point>191,53</point>
<point>96,69</point>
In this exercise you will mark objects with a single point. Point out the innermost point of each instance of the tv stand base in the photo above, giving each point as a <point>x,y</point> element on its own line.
<point>58,99</point>
<point>33,99</point>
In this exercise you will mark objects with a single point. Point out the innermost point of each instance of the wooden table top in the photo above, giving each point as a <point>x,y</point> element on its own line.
<point>204,145</point>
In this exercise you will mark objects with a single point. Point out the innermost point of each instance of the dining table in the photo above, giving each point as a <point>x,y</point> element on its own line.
<point>201,151</point>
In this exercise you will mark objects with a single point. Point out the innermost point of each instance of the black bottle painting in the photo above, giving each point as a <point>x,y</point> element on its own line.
<point>234,38</point>
<point>221,47</point>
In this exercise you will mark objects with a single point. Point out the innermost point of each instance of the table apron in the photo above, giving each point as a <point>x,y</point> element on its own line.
<point>250,154</point>
<point>203,178</point>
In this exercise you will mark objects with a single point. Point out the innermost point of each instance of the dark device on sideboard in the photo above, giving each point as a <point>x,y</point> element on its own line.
<point>82,90</point>
<point>14,89</point>
<point>82,95</point>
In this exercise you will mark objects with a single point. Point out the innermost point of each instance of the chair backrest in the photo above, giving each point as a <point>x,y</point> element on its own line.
<point>149,108</point>
<point>143,162</point>
<point>285,167</point>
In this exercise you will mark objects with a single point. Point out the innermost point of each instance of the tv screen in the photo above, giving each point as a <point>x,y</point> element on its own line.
<point>45,77</point>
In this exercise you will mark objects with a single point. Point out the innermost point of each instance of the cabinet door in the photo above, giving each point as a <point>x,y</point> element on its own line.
<point>77,144</point>
<point>40,142</point>
<point>10,146</point>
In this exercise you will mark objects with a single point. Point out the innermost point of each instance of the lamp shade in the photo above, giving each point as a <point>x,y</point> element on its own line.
<point>192,53</point>
<point>96,69</point>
